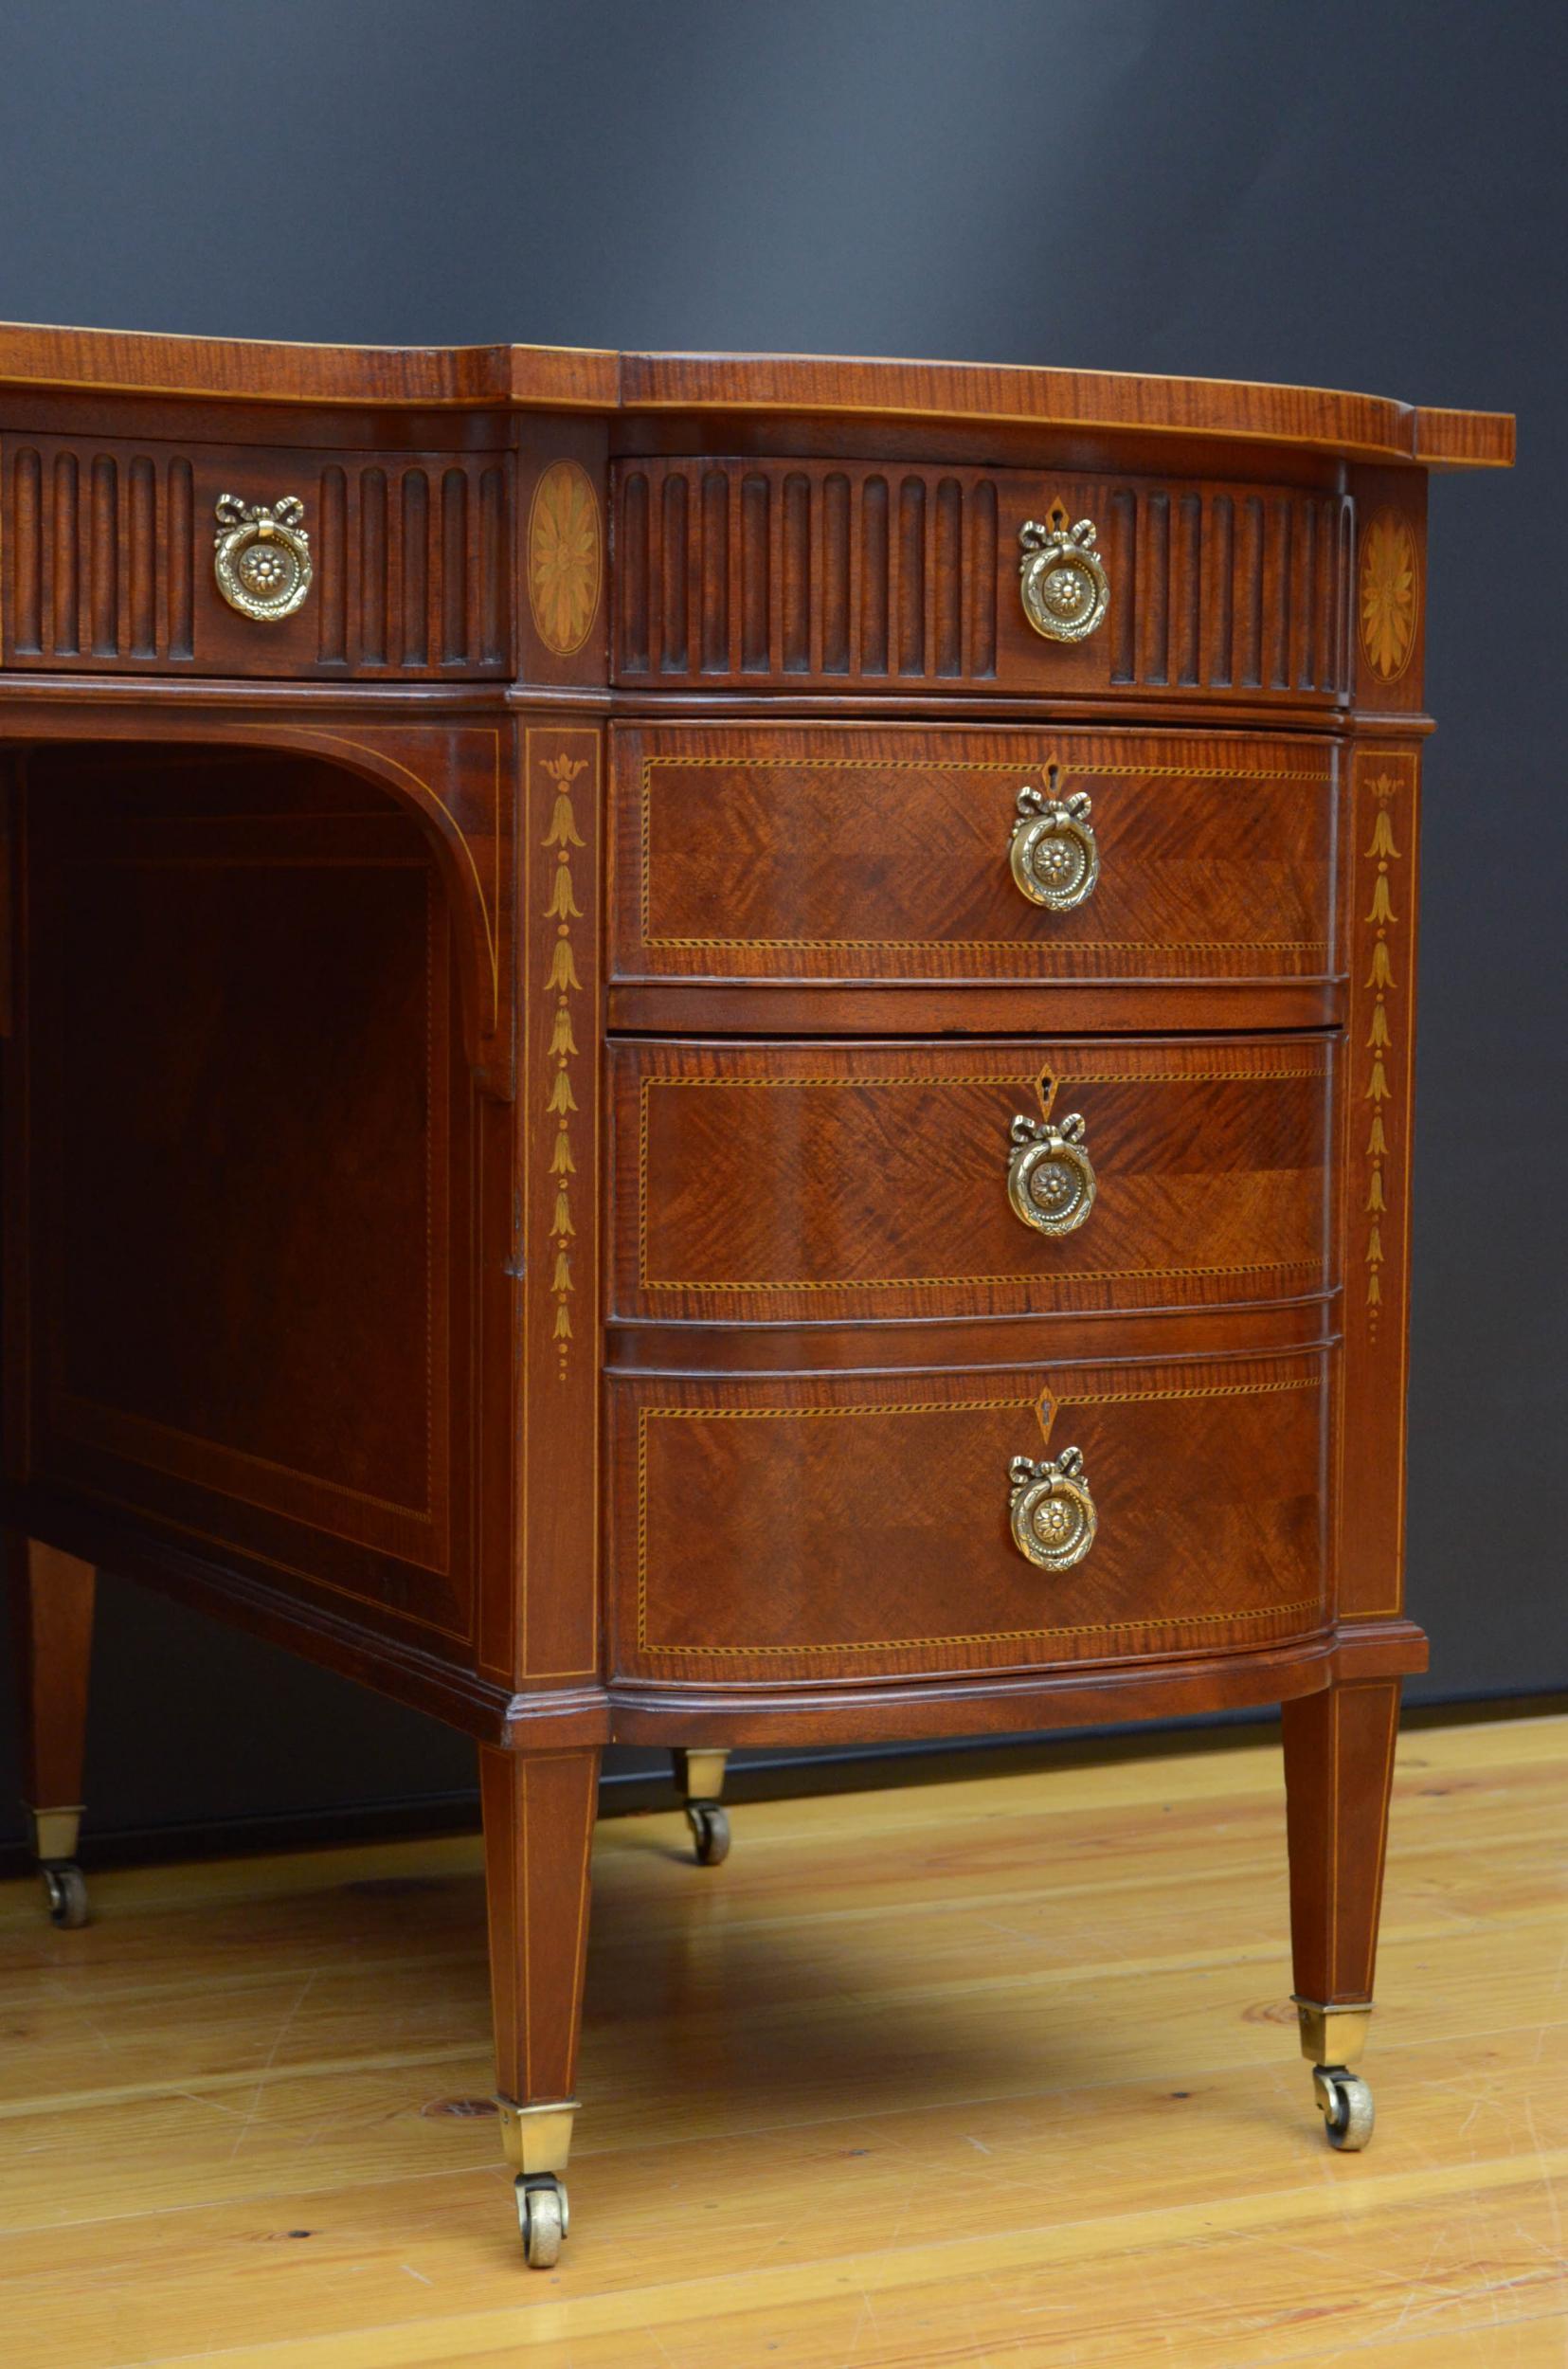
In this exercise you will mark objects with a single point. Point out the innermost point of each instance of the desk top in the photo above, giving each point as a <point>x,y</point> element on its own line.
<point>588,379</point>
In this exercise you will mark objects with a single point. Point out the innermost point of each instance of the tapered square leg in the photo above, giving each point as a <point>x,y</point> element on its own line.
<point>1338,1773</point>
<point>538,1832</point>
<point>51,1609</point>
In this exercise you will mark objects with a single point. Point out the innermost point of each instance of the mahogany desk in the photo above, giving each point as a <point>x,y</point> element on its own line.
<point>710,1050</point>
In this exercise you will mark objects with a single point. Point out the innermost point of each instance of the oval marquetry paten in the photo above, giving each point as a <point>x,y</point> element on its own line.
<point>565,546</point>
<point>1390,594</point>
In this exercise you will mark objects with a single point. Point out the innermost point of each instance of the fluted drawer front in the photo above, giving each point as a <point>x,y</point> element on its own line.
<point>890,577</point>
<point>781,1181</point>
<point>786,852</point>
<point>830,1528</point>
<point>108,548</point>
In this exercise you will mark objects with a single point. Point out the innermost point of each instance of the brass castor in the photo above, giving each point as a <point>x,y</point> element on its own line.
<point>65,1890</point>
<point>543,2220</point>
<point>1345,2101</point>
<point>700,1776</point>
<point>710,1832</point>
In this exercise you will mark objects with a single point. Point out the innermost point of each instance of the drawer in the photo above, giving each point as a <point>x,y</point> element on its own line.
<point>847,1527</point>
<point>110,549</point>
<point>899,579</point>
<point>863,855</point>
<point>781,1181</point>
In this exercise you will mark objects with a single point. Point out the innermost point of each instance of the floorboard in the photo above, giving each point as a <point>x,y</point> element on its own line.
<point>994,2072</point>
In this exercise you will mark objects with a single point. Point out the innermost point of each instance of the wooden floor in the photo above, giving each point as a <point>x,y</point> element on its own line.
<point>992,2072</point>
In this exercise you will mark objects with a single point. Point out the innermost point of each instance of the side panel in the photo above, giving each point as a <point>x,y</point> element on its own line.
<point>1376,1144</point>
<point>558,1160</point>
<point>249,1147</point>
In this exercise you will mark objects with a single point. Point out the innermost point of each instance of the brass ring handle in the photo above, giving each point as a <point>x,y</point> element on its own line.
<point>1052,1512</point>
<point>1050,1178</point>
<point>1054,853</point>
<point>1062,580</point>
<point>261,557</point>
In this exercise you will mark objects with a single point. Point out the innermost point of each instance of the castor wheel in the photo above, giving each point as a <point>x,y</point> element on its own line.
<point>1345,2101</point>
<point>65,1890</point>
<point>541,2219</point>
<point>699,1773</point>
<point>710,1832</point>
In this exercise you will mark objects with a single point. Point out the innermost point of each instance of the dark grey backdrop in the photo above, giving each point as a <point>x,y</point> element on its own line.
<point>1352,193</point>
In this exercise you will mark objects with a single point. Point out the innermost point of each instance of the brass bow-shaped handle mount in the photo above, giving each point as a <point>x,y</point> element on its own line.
<point>261,557</point>
<point>1054,853</point>
<point>1062,579</point>
<point>1049,1177</point>
<point>1052,1512</point>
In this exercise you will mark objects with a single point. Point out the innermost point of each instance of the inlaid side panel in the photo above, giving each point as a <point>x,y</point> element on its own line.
<point>767,1529</point>
<point>557,1160</point>
<point>857,853</point>
<point>250,1146</point>
<point>563,561</point>
<point>779,1181</point>
<point>108,550</point>
<point>810,573</point>
<point>1390,623</point>
<point>1382,866</point>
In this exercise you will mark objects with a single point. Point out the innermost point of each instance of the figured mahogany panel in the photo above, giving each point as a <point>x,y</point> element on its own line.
<point>811,574</point>
<point>859,853</point>
<point>250,1141</point>
<point>107,560</point>
<point>775,1181</point>
<point>856,1525</point>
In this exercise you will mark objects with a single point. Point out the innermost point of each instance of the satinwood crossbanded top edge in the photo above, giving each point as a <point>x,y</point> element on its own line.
<point>591,379</point>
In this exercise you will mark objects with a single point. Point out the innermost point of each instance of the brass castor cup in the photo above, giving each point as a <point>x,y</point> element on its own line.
<point>1345,2101</point>
<point>543,2220</point>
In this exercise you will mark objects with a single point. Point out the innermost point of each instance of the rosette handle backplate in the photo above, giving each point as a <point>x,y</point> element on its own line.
<point>1052,1512</point>
<point>1053,854</point>
<point>1050,1176</point>
<point>1062,579</point>
<point>261,557</point>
